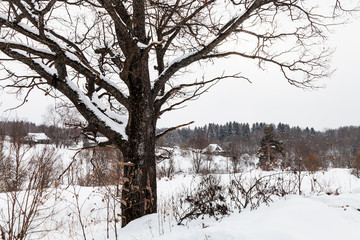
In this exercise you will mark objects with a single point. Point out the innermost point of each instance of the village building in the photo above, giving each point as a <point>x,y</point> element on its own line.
<point>37,138</point>
<point>213,149</point>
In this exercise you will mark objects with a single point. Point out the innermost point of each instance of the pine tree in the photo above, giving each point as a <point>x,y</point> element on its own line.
<point>270,149</point>
<point>246,130</point>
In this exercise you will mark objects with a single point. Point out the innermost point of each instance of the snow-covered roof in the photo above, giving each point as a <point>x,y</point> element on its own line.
<point>37,136</point>
<point>213,148</point>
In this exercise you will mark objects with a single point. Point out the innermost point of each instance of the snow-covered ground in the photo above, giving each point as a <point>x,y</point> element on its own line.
<point>294,217</point>
<point>328,208</point>
<point>310,216</point>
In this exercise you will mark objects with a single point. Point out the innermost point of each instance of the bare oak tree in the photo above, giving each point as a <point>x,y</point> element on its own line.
<point>118,62</point>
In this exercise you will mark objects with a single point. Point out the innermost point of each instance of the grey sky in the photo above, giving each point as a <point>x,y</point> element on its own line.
<point>269,98</point>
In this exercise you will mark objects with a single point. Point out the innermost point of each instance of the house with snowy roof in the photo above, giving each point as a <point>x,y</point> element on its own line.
<point>37,138</point>
<point>213,149</point>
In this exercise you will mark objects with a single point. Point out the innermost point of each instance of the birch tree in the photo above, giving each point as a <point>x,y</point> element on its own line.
<point>118,62</point>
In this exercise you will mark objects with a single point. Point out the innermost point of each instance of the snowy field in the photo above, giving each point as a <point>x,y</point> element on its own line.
<point>328,208</point>
<point>310,216</point>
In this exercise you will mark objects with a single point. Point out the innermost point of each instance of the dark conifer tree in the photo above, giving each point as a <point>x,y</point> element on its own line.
<point>246,130</point>
<point>270,149</point>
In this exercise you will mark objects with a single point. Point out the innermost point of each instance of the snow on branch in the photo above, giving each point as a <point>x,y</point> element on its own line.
<point>118,125</point>
<point>27,48</point>
<point>121,119</point>
<point>111,120</point>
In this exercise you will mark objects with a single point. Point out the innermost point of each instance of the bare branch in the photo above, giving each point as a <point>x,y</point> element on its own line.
<point>170,93</point>
<point>314,71</point>
<point>194,56</point>
<point>173,129</point>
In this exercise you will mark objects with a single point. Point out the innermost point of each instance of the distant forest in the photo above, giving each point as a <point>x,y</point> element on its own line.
<point>335,147</point>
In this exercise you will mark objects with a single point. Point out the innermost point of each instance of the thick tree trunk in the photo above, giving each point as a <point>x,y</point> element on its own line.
<point>139,189</point>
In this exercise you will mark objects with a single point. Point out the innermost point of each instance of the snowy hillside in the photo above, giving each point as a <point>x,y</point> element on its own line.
<point>310,216</point>
<point>328,208</point>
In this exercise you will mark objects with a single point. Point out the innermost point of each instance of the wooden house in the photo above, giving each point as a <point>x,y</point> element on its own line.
<point>37,138</point>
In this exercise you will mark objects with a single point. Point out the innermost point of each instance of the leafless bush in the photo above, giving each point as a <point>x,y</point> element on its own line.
<point>103,166</point>
<point>185,152</point>
<point>167,169</point>
<point>165,162</point>
<point>46,164</point>
<point>108,172</point>
<point>6,170</point>
<point>22,211</point>
<point>23,214</point>
<point>208,200</point>
<point>107,167</point>
<point>252,191</point>
<point>236,151</point>
<point>208,164</point>
<point>312,162</point>
<point>196,160</point>
<point>13,165</point>
<point>245,190</point>
<point>235,163</point>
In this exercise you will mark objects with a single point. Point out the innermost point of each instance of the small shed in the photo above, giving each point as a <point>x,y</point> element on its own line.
<point>37,138</point>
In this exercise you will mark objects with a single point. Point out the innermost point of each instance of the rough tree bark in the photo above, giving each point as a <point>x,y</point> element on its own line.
<point>98,55</point>
<point>139,190</point>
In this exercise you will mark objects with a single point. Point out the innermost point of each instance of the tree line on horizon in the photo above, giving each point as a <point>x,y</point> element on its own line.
<point>334,147</point>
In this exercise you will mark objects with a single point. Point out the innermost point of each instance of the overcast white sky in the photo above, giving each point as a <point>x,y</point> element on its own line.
<point>269,98</point>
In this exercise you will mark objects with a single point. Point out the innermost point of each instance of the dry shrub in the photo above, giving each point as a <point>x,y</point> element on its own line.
<point>103,167</point>
<point>25,190</point>
<point>165,162</point>
<point>197,160</point>
<point>312,162</point>
<point>208,200</point>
